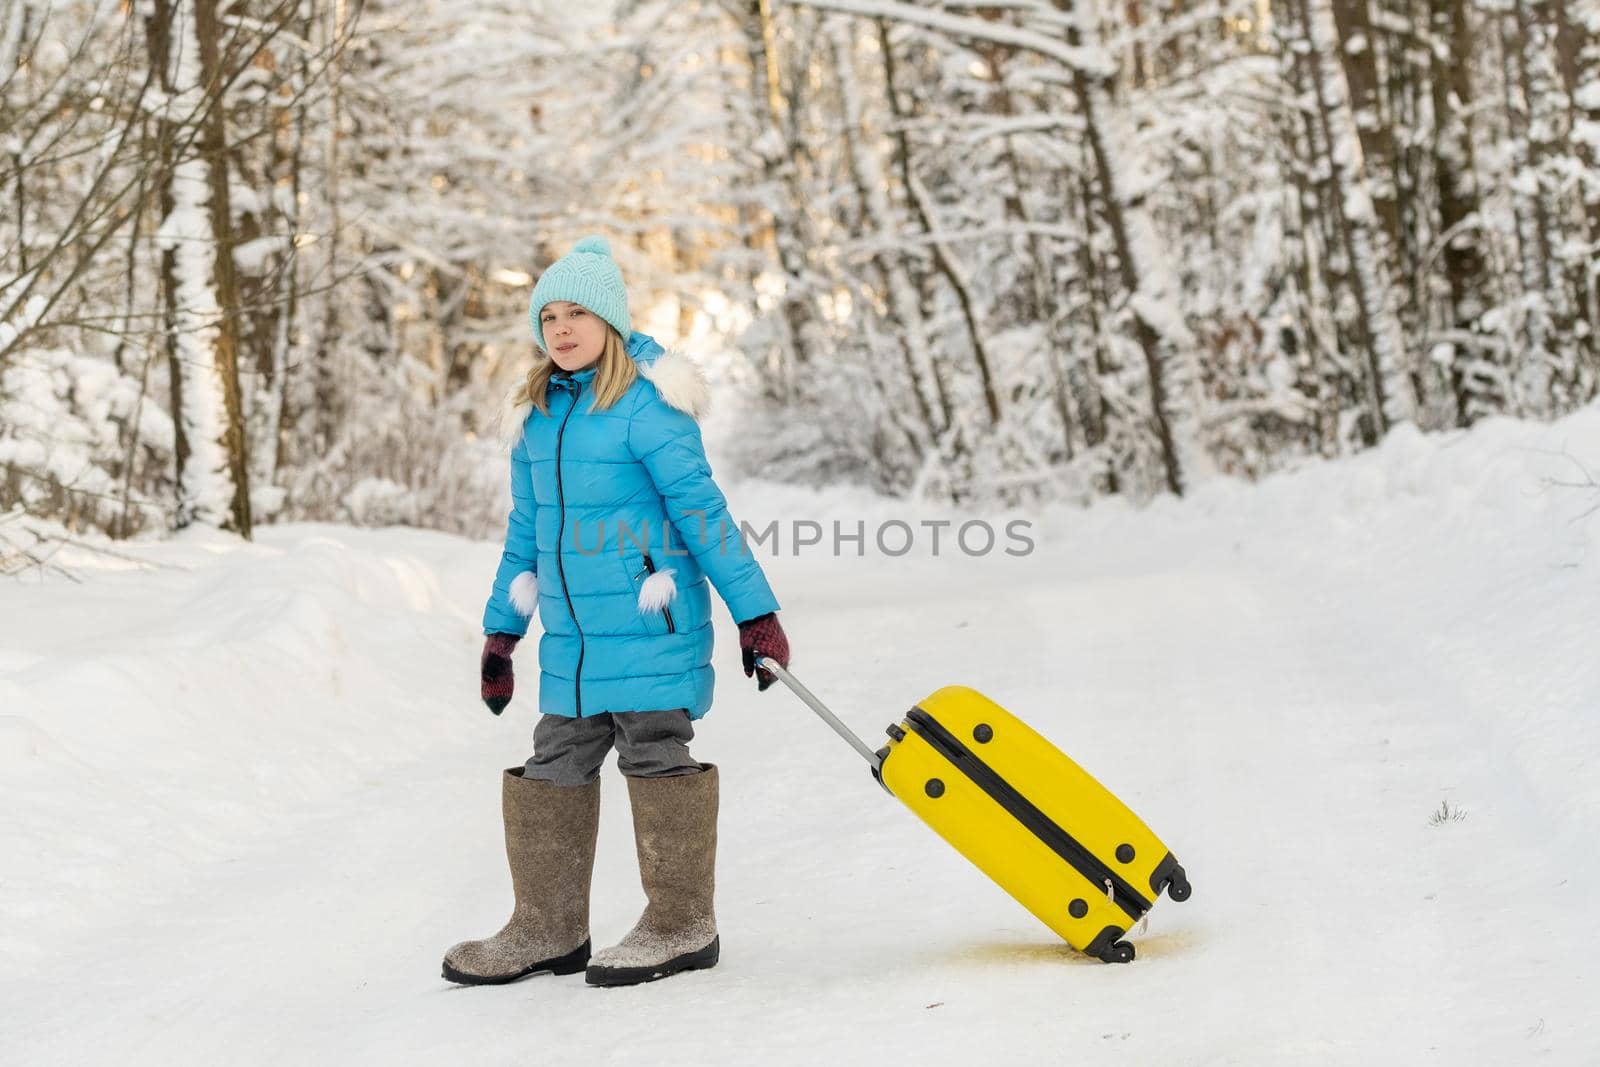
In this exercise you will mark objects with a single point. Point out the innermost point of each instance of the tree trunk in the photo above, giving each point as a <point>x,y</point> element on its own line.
<point>1578,58</point>
<point>1358,50</point>
<point>1099,417</point>
<point>944,257</point>
<point>1147,289</point>
<point>1390,395</point>
<point>325,394</point>
<point>1554,153</point>
<point>158,42</point>
<point>777,153</point>
<point>1378,71</point>
<point>213,145</point>
<point>1456,177</point>
<point>212,487</point>
<point>909,292</point>
<point>867,176</point>
<point>280,416</point>
<point>1040,293</point>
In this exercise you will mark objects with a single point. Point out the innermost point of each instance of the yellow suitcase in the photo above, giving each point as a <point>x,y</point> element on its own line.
<point>1024,813</point>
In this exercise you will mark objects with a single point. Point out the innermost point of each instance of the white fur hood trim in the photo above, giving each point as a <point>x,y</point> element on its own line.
<point>680,381</point>
<point>508,423</point>
<point>675,374</point>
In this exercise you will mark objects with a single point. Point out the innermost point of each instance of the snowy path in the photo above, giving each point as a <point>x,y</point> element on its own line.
<point>212,854</point>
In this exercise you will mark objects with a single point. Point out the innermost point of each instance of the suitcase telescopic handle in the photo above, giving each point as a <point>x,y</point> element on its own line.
<point>811,701</point>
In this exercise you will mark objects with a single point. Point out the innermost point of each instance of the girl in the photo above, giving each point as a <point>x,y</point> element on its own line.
<point>616,525</point>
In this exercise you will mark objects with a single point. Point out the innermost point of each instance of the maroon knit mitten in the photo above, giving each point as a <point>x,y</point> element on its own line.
<point>763,636</point>
<point>495,668</point>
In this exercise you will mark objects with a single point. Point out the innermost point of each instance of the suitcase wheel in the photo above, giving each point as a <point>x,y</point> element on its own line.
<point>1179,888</point>
<point>1120,952</point>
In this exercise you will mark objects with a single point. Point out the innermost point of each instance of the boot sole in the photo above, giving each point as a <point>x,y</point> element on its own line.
<point>698,960</point>
<point>571,963</point>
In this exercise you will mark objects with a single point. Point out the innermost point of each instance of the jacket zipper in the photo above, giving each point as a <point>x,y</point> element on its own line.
<point>1019,807</point>
<point>561,529</point>
<point>650,566</point>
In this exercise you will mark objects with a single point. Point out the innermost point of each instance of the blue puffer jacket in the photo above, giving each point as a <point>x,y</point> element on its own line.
<point>627,495</point>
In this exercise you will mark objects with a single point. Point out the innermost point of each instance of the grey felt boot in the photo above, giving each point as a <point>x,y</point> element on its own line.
<point>675,831</point>
<point>550,836</point>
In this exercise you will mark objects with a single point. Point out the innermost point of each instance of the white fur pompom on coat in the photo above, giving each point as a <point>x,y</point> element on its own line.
<point>524,593</point>
<point>657,591</point>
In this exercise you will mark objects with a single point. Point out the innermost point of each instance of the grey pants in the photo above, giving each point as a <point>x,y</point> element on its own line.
<point>649,744</point>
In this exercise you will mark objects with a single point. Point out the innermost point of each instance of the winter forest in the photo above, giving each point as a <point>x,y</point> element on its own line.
<point>270,262</point>
<point>1271,323</point>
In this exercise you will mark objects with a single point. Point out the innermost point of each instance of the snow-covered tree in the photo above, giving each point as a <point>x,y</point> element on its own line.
<point>273,263</point>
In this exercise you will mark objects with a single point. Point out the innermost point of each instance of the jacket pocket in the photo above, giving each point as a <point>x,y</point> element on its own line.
<point>654,591</point>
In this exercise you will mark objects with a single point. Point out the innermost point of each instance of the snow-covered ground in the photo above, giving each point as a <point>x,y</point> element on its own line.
<point>250,795</point>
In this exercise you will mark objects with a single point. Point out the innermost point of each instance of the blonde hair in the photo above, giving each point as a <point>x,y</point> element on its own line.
<point>614,372</point>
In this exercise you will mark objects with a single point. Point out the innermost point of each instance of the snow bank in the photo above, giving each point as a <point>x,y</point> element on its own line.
<point>252,796</point>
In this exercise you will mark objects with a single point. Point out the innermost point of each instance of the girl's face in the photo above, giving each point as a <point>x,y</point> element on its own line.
<point>574,335</point>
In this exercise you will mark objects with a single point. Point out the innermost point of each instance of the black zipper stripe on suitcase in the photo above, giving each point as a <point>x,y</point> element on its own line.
<point>1023,810</point>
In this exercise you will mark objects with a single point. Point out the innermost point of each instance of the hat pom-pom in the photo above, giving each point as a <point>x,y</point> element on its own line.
<point>594,244</point>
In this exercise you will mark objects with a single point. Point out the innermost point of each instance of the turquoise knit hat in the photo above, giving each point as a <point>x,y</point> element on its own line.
<point>587,275</point>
